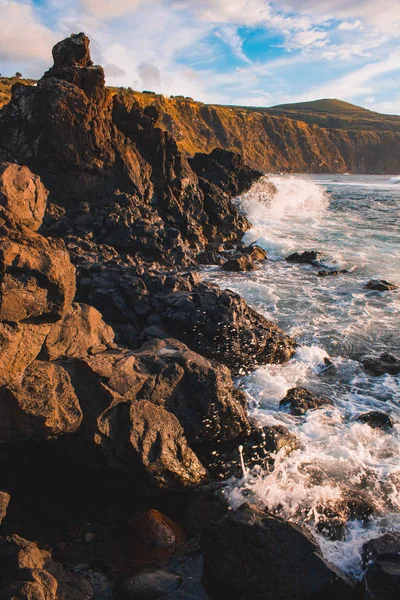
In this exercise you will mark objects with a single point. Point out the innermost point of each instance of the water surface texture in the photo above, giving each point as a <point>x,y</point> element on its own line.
<point>354,221</point>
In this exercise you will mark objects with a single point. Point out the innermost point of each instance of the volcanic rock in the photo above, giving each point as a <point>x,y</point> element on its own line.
<point>20,344</point>
<point>4,502</point>
<point>138,434</point>
<point>42,406</point>
<point>310,257</point>
<point>252,555</point>
<point>36,276</point>
<point>380,285</point>
<point>149,585</point>
<point>254,252</point>
<point>23,571</point>
<point>23,194</point>
<point>299,400</point>
<point>381,558</point>
<point>82,331</point>
<point>385,363</point>
<point>238,263</point>
<point>377,420</point>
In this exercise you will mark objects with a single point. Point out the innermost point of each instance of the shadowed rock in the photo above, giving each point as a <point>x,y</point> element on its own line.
<point>385,363</point>
<point>252,555</point>
<point>310,257</point>
<point>381,559</point>
<point>377,420</point>
<point>239,263</point>
<point>380,285</point>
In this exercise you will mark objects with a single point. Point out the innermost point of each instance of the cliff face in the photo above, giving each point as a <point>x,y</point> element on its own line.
<point>276,142</point>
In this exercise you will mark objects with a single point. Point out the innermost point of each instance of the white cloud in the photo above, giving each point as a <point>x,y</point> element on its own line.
<point>109,9</point>
<point>309,38</point>
<point>353,26</point>
<point>229,35</point>
<point>23,37</point>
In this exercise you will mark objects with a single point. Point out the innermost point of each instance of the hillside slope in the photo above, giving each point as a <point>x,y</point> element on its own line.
<point>326,136</point>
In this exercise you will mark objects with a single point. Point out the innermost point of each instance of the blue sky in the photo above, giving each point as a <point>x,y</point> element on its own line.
<point>250,52</point>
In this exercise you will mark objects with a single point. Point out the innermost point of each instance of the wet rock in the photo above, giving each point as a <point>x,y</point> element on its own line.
<point>23,573</point>
<point>257,449</point>
<point>254,252</point>
<point>249,552</point>
<point>37,277</point>
<point>380,285</point>
<point>328,272</point>
<point>381,558</point>
<point>239,263</point>
<point>299,401</point>
<point>20,344</point>
<point>23,194</point>
<point>138,435</point>
<point>82,331</point>
<point>42,406</point>
<point>385,363</point>
<point>149,585</point>
<point>377,420</point>
<point>310,257</point>
<point>4,502</point>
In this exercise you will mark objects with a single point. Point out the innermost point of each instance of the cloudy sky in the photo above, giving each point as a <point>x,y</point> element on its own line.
<point>250,52</point>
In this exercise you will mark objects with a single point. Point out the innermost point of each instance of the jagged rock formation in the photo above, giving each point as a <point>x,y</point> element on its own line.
<point>115,361</point>
<point>275,140</point>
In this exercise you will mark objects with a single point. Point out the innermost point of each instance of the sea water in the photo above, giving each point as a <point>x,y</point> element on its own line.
<point>354,222</point>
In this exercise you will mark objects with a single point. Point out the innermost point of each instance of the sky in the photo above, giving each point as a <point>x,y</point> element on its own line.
<point>244,52</point>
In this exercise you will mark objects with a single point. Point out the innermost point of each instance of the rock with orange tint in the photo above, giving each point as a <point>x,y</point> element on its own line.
<point>23,194</point>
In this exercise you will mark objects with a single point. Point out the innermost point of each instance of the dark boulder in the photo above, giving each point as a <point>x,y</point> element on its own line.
<point>299,401</point>
<point>224,169</point>
<point>148,585</point>
<point>327,272</point>
<point>380,285</point>
<point>254,252</point>
<point>252,555</point>
<point>310,257</point>
<point>377,420</point>
<point>23,194</point>
<point>238,263</point>
<point>385,363</point>
<point>381,559</point>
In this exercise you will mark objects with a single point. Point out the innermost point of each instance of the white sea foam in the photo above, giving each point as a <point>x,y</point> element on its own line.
<point>354,222</point>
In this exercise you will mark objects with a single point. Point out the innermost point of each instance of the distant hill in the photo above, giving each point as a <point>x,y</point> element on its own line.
<point>332,113</point>
<point>324,136</point>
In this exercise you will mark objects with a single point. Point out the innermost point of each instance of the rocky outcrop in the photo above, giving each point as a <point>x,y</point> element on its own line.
<point>250,554</point>
<point>37,278</point>
<point>23,194</point>
<point>43,405</point>
<point>385,363</point>
<point>382,564</point>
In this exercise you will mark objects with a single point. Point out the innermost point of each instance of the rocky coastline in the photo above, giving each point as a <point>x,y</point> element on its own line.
<point>118,405</point>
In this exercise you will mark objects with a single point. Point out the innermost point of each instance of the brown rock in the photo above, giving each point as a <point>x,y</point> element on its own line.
<point>20,344</point>
<point>152,528</point>
<point>42,406</point>
<point>238,263</point>
<point>254,252</point>
<point>82,331</point>
<point>23,573</point>
<point>36,275</point>
<point>140,435</point>
<point>23,194</point>
<point>4,502</point>
<point>380,285</point>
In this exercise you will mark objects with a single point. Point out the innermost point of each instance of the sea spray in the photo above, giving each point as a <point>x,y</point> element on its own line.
<point>354,221</point>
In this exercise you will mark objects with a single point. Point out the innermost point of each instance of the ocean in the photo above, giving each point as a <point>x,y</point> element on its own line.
<point>354,221</point>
